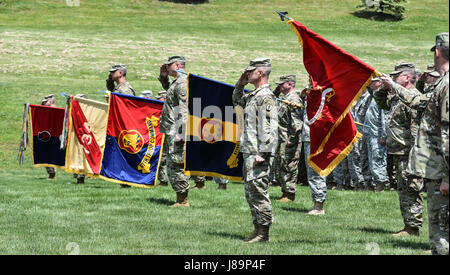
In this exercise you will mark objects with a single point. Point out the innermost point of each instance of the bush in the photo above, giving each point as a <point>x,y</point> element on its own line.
<point>395,8</point>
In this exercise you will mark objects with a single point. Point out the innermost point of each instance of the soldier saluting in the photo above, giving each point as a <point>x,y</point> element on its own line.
<point>258,143</point>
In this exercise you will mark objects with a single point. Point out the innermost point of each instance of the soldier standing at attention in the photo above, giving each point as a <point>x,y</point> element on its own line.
<point>117,83</point>
<point>429,157</point>
<point>258,143</point>
<point>49,101</point>
<point>402,126</point>
<point>290,123</point>
<point>173,123</point>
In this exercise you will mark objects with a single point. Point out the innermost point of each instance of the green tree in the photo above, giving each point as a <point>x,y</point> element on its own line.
<point>395,8</point>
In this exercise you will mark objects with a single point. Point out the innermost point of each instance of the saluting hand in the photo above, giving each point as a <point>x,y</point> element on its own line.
<point>163,71</point>
<point>243,80</point>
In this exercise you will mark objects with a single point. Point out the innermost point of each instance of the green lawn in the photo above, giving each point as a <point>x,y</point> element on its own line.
<point>49,47</point>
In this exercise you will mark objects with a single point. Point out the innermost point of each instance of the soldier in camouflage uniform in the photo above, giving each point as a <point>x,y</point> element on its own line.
<point>117,83</point>
<point>173,123</point>
<point>290,123</point>
<point>258,143</point>
<point>429,157</point>
<point>163,177</point>
<point>376,140</point>
<point>316,182</point>
<point>402,126</point>
<point>49,100</point>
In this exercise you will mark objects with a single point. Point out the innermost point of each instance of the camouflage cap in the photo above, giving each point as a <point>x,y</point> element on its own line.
<point>49,96</point>
<point>147,93</point>
<point>116,67</point>
<point>161,94</point>
<point>175,58</point>
<point>81,95</point>
<point>403,67</point>
<point>286,78</point>
<point>259,62</point>
<point>431,71</point>
<point>441,40</point>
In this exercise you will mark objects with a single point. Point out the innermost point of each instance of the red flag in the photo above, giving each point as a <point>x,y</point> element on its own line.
<point>337,81</point>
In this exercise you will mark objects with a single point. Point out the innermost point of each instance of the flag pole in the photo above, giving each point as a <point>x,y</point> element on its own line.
<point>283,15</point>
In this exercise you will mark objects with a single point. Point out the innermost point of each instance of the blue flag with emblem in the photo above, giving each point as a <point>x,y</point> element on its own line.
<point>213,130</point>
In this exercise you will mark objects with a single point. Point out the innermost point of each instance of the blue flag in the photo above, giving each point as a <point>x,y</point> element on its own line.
<point>213,131</point>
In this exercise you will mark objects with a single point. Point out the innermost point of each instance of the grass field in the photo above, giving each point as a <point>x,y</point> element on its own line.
<point>50,47</point>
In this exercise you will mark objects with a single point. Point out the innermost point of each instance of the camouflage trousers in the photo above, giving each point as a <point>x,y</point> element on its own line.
<point>391,171</point>
<point>409,191</point>
<point>377,161</point>
<point>163,173</point>
<point>175,165</point>
<point>317,183</point>
<point>302,176</point>
<point>364,160</point>
<point>198,179</point>
<point>274,174</point>
<point>256,182</point>
<point>438,217</point>
<point>287,172</point>
<point>341,174</point>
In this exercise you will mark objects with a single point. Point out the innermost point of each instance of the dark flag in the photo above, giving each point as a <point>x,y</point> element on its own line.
<point>212,132</point>
<point>47,124</point>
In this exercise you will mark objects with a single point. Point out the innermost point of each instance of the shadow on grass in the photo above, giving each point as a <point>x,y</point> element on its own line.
<point>160,201</point>
<point>294,209</point>
<point>404,243</point>
<point>186,1</point>
<point>374,230</point>
<point>377,16</point>
<point>227,235</point>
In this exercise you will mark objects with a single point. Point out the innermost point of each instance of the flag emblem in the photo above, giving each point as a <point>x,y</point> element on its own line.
<point>131,141</point>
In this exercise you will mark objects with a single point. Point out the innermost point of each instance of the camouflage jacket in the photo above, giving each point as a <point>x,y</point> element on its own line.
<point>174,112</point>
<point>290,120</point>
<point>260,120</point>
<point>429,155</point>
<point>402,122</point>
<point>359,110</point>
<point>124,88</point>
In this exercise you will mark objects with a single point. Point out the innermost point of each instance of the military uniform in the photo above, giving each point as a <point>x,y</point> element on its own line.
<point>172,123</point>
<point>51,171</point>
<point>316,182</point>
<point>290,124</point>
<point>163,176</point>
<point>258,138</point>
<point>360,110</point>
<point>402,127</point>
<point>376,120</point>
<point>121,88</point>
<point>428,159</point>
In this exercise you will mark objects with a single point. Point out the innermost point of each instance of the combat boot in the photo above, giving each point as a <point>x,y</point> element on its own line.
<point>262,234</point>
<point>51,176</point>
<point>380,187</point>
<point>80,180</point>
<point>222,186</point>
<point>407,231</point>
<point>163,183</point>
<point>182,200</point>
<point>253,235</point>
<point>317,209</point>
<point>287,197</point>
<point>370,188</point>
<point>199,185</point>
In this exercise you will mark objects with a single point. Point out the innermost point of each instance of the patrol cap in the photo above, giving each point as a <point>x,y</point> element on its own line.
<point>286,78</point>
<point>116,67</point>
<point>441,40</point>
<point>80,95</point>
<point>259,62</point>
<point>161,94</point>
<point>49,96</point>
<point>175,58</point>
<point>43,101</point>
<point>431,71</point>
<point>403,67</point>
<point>147,93</point>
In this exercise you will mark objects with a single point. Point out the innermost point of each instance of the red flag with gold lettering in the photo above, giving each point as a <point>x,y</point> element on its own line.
<point>337,81</point>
